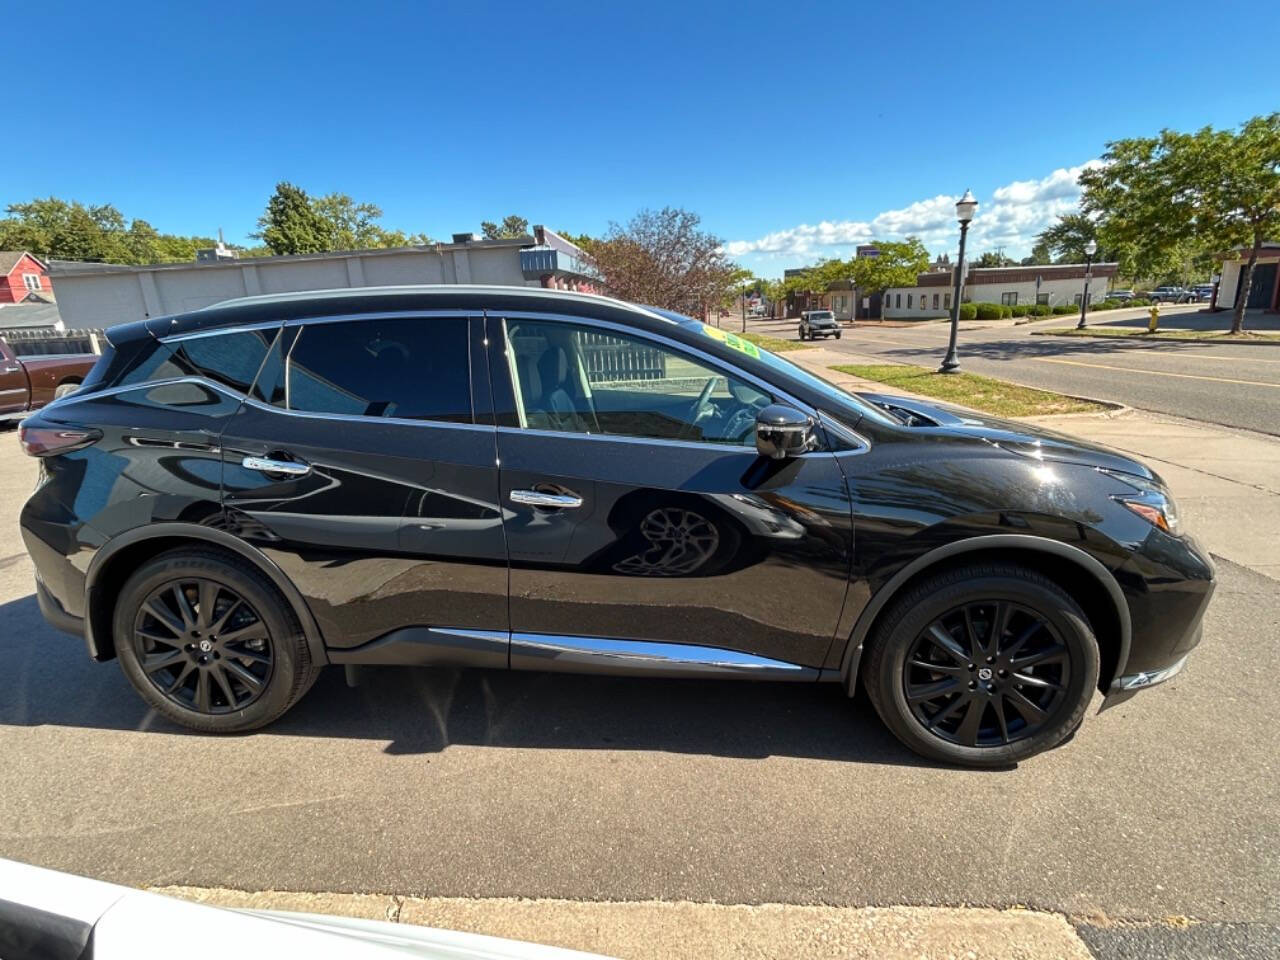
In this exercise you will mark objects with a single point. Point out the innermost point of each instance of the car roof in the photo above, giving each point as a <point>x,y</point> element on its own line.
<point>245,311</point>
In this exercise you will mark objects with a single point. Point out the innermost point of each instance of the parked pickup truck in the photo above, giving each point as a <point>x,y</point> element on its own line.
<point>28,383</point>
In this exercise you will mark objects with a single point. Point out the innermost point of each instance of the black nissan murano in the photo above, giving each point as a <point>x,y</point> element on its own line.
<point>527,479</point>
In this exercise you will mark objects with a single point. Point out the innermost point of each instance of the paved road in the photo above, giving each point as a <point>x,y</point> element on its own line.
<point>487,784</point>
<point>1232,384</point>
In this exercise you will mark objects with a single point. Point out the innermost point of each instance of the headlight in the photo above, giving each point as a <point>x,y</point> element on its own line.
<point>1150,501</point>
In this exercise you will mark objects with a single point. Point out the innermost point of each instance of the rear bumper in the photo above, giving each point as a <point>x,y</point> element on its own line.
<point>54,614</point>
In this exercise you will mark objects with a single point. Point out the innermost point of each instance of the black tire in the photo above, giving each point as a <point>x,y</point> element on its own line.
<point>837,336</point>
<point>281,664</point>
<point>1062,688</point>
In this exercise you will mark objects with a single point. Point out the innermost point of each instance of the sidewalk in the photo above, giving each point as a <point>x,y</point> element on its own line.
<point>658,930</point>
<point>1226,481</point>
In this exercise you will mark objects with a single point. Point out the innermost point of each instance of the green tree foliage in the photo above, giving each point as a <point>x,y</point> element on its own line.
<point>295,222</point>
<point>57,229</point>
<point>509,229</point>
<point>994,258</point>
<point>1169,198</point>
<point>663,258</point>
<point>898,265</point>
<point>292,224</point>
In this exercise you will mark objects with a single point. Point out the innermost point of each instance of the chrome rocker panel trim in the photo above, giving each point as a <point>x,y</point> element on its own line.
<point>534,651</point>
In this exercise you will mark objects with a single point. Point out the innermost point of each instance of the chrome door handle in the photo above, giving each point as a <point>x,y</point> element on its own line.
<point>536,498</point>
<point>290,467</point>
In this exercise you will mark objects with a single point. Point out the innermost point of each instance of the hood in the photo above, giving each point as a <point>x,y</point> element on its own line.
<point>1024,439</point>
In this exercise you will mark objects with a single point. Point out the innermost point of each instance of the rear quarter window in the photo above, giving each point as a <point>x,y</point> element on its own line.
<point>230,359</point>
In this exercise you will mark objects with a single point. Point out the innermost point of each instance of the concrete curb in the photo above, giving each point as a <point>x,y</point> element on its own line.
<point>660,930</point>
<point>1148,337</point>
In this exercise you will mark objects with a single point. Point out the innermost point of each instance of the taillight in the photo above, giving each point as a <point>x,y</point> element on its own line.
<point>38,441</point>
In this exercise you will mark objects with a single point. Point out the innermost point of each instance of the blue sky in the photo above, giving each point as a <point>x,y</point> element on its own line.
<point>793,129</point>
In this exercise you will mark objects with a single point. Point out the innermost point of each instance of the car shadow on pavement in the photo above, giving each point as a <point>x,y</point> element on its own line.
<point>46,678</point>
<point>1030,348</point>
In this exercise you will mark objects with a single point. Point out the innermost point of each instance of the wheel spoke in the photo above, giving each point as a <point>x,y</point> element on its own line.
<point>243,675</point>
<point>997,704</point>
<point>976,650</point>
<point>244,653</point>
<point>998,623</point>
<point>254,631</point>
<point>185,672</point>
<point>1036,681</point>
<point>216,628</point>
<point>184,607</point>
<point>157,638</point>
<point>202,691</point>
<point>1023,637</point>
<point>1047,655</point>
<point>1030,712</point>
<point>207,600</point>
<point>945,668</point>
<point>164,618</point>
<point>161,660</point>
<point>948,710</point>
<point>224,684</point>
<point>931,690</point>
<point>940,637</point>
<point>967,732</point>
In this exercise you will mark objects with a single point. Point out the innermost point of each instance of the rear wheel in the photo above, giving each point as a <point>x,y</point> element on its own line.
<point>209,642</point>
<point>66,387</point>
<point>984,665</point>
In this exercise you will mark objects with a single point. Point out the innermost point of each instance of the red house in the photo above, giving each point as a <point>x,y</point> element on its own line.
<point>21,274</point>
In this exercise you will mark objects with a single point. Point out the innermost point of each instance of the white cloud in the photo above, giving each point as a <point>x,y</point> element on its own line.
<point>1010,219</point>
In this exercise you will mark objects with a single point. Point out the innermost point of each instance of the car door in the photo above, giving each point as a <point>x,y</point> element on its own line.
<point>359,468</point>
<point>13,381</point>
<point>638,511</point>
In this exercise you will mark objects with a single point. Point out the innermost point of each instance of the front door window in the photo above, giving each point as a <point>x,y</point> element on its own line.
<point>575,379</point>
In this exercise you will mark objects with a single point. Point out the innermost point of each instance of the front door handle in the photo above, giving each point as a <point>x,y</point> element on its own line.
<point>536,498</point>
<point>288,467</point>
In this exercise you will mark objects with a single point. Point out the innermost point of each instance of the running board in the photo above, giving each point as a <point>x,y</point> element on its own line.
<point>496,649</point>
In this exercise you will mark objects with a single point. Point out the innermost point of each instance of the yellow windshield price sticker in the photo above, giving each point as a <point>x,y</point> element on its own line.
<point>733,341</point>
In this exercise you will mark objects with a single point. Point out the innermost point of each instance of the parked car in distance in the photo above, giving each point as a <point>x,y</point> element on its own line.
<point>1119,295</point>
<point>524,479</point>
<point>1168,294</point>
<point>1202,292</point>
<point>818,323</point>
<point>28,383</point>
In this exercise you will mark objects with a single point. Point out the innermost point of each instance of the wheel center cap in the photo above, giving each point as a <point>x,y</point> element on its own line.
<point>983,674</point>
<point>206,646</point>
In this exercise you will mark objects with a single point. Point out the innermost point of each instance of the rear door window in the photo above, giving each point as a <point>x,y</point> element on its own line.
<point>414,368</point>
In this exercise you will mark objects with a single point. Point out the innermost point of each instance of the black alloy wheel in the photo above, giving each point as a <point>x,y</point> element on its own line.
<point>987,673</point>
<point>203,646</point>
<point>983,665</point>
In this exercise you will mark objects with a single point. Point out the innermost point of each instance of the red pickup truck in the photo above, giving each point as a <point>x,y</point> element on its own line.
<point>27,383</point>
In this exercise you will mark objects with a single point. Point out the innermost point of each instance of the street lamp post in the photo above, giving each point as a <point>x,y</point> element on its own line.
<point>965,208</point>
<point>1090,249</point>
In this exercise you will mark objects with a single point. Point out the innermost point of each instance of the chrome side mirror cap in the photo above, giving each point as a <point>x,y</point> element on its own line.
<point>783,431</point>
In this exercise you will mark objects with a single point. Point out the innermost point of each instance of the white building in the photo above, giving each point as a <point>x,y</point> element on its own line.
<point>98,295</point>
<point>1048,284</point>
<point>1264,289</point>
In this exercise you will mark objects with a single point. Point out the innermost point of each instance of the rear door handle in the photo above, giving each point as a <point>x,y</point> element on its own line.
<point>536,498</point>
<point>290,468</point>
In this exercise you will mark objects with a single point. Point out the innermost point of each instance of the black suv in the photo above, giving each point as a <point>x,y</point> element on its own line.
<point>521,479</point>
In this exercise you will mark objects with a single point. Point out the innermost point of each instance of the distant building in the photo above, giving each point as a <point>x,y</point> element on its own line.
<point>23,277</point>
<point>1058,284</point>
<point>1264,289</point>
<point>97,295</point>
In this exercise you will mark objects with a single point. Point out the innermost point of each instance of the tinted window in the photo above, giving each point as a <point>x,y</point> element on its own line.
<point>231,359</point>
<point>413,368</point>
<point>577,379</point>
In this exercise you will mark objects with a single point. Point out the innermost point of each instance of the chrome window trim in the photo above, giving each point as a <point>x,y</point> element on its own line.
<point>832,424</point>
<point>664,441</point>
<point>220,331</point>
<point>323,318</point>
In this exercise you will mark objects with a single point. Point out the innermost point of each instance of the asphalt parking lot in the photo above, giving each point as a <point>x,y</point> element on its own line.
<point>450,783</point>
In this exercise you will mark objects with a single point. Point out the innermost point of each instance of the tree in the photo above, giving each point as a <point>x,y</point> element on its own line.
<point>1168,198</point>
<point>291,223</point>
<point>349,225</point>
<point>662,258</point>
<point>994,258</point>
<point>56,229</point>
<point>510,228</point>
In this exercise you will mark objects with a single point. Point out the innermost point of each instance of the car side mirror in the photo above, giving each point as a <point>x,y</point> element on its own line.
<point>783,431</point>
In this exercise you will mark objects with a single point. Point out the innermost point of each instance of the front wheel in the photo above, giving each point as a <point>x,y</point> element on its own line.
<point>209,642</point>
<point>984,665</point>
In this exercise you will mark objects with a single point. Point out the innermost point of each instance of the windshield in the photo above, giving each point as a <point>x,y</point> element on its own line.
<point>841,404</point>
<point>822,315</point>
